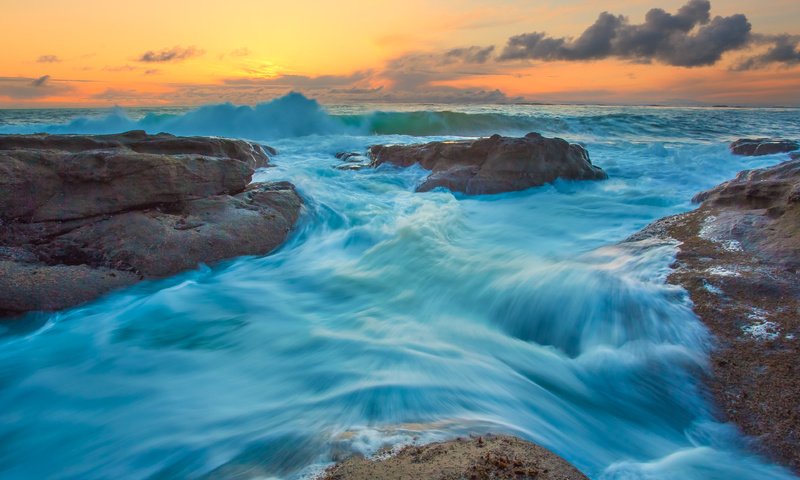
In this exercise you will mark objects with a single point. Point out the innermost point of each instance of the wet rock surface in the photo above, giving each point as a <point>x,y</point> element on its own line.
<point>739,257</point>
<point>487,457</point>
<point>492,165</point>
<point>82,215</point>
<point>754,147</point>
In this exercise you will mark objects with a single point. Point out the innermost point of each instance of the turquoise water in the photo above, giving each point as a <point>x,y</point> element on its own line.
<point>391,316</point>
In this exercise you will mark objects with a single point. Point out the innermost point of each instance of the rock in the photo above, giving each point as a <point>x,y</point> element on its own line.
<point>77,224</point>
<point>52,177</point>
<point>351,161</point>
<point>761,210</point>
<point>491,456</point>
<point>739,258</point>
<point>140,142</point>
<point>754,147</point>
<point>492,165</point>
<point>350,157</point>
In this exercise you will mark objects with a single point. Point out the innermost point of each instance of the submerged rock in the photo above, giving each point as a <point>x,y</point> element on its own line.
<point>351,161</point>
<point>754,147</point>
<point>492,165</point>
<point>491,456</point>
<point>82,215</point>
<point>739,259</point>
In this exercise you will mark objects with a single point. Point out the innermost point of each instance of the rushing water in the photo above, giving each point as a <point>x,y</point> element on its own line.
<point>391,316</point>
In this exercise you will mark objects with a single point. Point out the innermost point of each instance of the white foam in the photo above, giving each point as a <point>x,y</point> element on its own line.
<point>723,272</point>
<point>764,330</point>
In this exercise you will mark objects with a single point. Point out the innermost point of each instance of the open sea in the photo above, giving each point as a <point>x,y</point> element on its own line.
<point>391,316</point>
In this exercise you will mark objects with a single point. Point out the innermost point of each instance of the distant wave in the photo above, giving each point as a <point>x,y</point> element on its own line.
<point>295,115</point>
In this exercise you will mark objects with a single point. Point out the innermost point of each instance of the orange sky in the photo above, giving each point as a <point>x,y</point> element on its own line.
<point>93,53</point>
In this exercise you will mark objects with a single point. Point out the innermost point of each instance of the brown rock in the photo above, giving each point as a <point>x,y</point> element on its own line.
<point>754,147</point>
<point>492,165</point>
<point>739,258</point>
<point>488,457</point>
<point>52,177</point>
<point>76,224</point>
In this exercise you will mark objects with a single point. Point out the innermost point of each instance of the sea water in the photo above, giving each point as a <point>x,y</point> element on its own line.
<point>391,317</point>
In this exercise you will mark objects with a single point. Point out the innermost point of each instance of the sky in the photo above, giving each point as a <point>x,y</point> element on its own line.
<point>88,53</point>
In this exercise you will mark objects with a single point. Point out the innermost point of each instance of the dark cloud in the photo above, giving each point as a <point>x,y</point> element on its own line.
<point>688,38</point>
<point>784,49</point>
<point>468,54</point>
<point>21,88</point>
<point>174,54</point>
<point>48,59</point>
<point>40,82</point>
<point>152,71</point>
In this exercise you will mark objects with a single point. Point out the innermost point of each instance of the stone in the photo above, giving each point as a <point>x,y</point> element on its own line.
<point>492,165</point>
<point>754,147</point>
<point>82,215</point>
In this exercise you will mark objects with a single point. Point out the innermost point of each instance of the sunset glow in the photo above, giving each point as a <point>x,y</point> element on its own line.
<point>95,53</point>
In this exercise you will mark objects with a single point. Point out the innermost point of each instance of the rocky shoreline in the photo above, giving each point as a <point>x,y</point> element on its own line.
<point>739,259</point>
<point>479,457</point>
<point>82,215</point>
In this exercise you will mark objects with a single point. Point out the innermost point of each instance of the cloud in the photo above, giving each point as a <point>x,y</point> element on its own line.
<point>40,82</point>
<point>22,88</point>
<point>468,54</point>
<point>785,50</point>
<point>303,81</point>
<point>420,69</point>
<point>174,54</point>
<point>448,94</point>
<point>688,38</point>
<point>356,91</point>
<point>117,95</point>
<point>152,71</point>
<point>119,68</point>
<point>48,59</point>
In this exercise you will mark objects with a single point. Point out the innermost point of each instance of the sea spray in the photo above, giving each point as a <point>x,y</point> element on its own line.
<point>295,115</point>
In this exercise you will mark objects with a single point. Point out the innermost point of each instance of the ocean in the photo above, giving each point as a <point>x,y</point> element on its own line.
<point>391,316</point>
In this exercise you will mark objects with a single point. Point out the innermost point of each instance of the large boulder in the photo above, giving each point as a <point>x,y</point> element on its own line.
<point>77,223</point>
<point>492,165</point>
<point>755,147</point>
<point>64,177</point>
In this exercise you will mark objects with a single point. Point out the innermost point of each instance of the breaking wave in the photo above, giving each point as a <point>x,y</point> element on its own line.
<point>295,115</point>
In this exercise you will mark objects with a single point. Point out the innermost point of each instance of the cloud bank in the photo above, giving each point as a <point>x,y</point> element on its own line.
<point>688,38</point>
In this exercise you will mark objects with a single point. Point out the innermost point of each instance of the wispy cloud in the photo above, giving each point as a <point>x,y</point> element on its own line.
<point>174,54</point>
<point>48,59</point>
<point>784,50</point>
<point>21,88</point>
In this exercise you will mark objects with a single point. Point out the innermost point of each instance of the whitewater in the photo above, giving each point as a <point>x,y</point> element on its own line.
<point>391,316</point>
